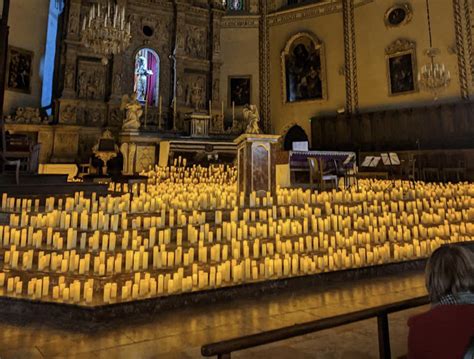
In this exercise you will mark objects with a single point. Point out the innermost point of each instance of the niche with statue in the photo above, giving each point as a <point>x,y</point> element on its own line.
<point>147,77</point>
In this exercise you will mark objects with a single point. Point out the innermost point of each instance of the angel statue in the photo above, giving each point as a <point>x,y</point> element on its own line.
<point>252,118</point>
<point>134,112</point>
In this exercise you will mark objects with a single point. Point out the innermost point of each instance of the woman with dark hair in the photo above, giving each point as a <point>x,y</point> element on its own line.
<point>445,331</point>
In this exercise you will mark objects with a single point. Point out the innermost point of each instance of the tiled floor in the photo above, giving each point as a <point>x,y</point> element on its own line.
<point>180,333</point>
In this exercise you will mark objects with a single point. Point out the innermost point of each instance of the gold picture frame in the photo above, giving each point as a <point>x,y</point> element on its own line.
<point>19,70</point>
<point>305,39</point>
<point>402,67</point>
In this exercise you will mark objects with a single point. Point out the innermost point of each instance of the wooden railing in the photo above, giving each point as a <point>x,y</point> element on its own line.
<point>224,348</point>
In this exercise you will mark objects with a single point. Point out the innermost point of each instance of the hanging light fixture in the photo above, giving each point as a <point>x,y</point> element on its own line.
<point>433,76</point>
<point>105,30</point>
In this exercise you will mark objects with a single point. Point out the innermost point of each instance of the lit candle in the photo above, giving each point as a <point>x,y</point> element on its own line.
<point>233,111</point>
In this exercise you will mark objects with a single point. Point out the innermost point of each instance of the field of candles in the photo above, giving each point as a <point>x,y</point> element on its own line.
<point>187,229</point>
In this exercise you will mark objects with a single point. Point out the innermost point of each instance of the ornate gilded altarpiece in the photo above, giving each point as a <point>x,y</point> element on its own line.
<point>186,37</point>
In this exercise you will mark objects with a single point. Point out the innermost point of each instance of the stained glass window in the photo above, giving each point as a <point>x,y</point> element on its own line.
<point>233,5</point>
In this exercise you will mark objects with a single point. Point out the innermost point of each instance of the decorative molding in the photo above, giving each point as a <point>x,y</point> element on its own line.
<point>469,29</point>
<point>350,57</point>
<point>235,21</point>
<point>400,45</point>
<point>309,11</point>
<point>347,57</point>
<point>408,14</point>
<point>461,53</point>
<point>355,87</point>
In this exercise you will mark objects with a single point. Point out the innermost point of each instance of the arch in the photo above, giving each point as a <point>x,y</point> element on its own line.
<point>146,76</point>
<point>294,134</point>
<point>303,64</point>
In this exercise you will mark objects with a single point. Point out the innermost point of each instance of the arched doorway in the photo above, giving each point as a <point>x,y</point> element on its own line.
<point>294,134</point>
<point>147,76</point>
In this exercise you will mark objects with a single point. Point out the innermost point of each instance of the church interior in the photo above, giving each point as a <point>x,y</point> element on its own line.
<point>229,178</point>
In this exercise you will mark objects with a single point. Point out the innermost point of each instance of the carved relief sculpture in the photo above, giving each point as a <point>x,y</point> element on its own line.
<point>196,42</point>
<point>93,116</point>
<point>117,86</point>
<point>195,94</point>
<point>74,15</point>
<point>401,67</point>
<point>133,112</point>
<point>68,114</point>
<point>215,90</point>
<point>69,77</point>
<point>91,80</point>
<point>217,124</point>
<point>303,65</point>
<point>26,115</point>
<point>181,37</point>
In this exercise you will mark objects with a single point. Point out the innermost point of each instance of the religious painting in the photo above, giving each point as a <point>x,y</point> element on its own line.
<point>239,90</point>
<point>147,75</point>
<point>401,67</point>
<point>398,15</point>
<point>303,66</point>
<point>19,69</point>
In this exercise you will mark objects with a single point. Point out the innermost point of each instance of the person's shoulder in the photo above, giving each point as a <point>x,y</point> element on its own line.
<point>441,311</point>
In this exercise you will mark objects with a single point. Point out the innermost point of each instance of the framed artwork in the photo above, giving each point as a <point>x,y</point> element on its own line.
<point>240,90</point>
<point>398,15</point>
<point>303,69</point>
<point>19,70</point>
<point>401,67</point>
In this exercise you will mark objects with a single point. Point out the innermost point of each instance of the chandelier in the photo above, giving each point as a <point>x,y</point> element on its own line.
<point>433,76</point>
<point>105,31</point>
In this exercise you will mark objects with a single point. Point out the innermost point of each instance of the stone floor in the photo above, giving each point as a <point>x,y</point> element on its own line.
<point>180,333</point>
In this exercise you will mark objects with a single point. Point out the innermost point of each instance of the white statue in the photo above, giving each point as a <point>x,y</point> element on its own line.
<point>142,74</point>
<point>134,112</point>
<point>252,118</point>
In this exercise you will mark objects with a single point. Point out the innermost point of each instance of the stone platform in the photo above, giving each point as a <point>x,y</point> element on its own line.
<point>46,185</point>
<point>90,315</point>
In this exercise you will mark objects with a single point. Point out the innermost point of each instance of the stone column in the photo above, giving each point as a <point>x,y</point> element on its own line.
<point>215,56</point>
<point>73,36</point>
<point>350,60</point>
<point>264,66</point>
<point>178,57</point>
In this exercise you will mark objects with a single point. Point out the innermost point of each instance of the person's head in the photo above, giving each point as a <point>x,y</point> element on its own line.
<point>449,270</point>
